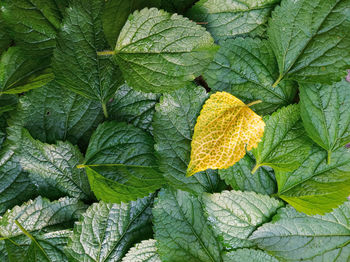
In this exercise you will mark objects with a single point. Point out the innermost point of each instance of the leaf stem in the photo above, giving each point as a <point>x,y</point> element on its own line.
<point>329,155</point>
<point>105,111</point>
<point>254,103</point>
<point>255,168</point>
<point>277,81</point>
<point>107,52</point>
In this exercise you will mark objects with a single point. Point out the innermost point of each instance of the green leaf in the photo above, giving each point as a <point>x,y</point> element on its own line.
<point>121,163</point>
<point>53,113</point>
<point>181,230</point>
<point>248,255</point>
<point>145,251</point>
<point>284,144</point>
<point>33,24</point>
<point>231,18</point>
<point>317,187</point>
<point>235,215</point>
<point>293,236</point>
<point>88,74</point>
<point>239,177</point>
<point>116,13</point>
<point>3,251</point>
<point>20,72</point>
<point>159,52</point>
<point>177,6</point>
<point>5,39</point>
<point>106,231</point>
<point>33,231</point>
<point>133,107</point>
<point>56,164</point>
<point>311,40</point>
<point>325,110</point>
<point>7,103</point>
<point>173,125</point>
<point>247,69</point>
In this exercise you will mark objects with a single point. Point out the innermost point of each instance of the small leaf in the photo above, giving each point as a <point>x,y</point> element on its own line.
<point>225,129</point>
<point>231,18</point>
<point>181,230</point>
<point>160,52</point>
<point>106,231</point>
<point>145,251</point>
<point>293,236</point>
<point>173,125</point>
<point>20,72</point>
<point>248,255</point>
<point>325,110</point>
<point>234,215</point>
<point>311,39</point>
<point>317,187</point>
<point>284,144</point>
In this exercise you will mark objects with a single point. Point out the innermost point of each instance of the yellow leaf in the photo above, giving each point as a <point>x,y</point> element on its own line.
<point>225,128</point>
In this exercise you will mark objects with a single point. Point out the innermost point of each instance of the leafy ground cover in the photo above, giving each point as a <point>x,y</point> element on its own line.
<point>211,130</point>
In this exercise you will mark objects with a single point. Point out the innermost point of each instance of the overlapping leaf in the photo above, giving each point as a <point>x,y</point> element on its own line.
<point>225,129</point>
<point>145,251</point>
<point>160,52</point>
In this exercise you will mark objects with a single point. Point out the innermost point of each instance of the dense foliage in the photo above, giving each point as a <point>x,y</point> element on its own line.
<point>211,130</point>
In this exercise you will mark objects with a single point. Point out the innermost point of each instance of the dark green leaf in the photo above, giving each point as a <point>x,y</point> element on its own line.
<point>177,6</point>
<point>107,231</point>
<point>5,39</point>
<point>248,255</point>
<point>7,103</point>
<point>181,230</point>
<point>159,52</point>
<point>173,125</point>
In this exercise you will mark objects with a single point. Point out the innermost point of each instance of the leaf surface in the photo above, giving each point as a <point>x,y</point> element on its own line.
<point>145,251</point>
<point>248,255</point>
<point>181,230</point>
<point>225,129</point>
<point>311,39</point>
<point>160,52</point>
<point>106,231</point>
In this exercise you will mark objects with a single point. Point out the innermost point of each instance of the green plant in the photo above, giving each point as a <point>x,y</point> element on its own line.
<point>112,113</point>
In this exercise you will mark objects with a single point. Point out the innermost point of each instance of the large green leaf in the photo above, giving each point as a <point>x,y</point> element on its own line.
<point>121,164</point>
<point>232,18</point>
<point>311,39</point>
<point>159,52</point>
<point>285,143</point>
<point>53,113</point>
<point>173,125</point>
<point>248,255</point>
<point>317,187</point>
<point>76,64</point>
<point>107,231</point>
<point>116,13</point>
<point>56,164</point>
<point>146,251</point>
<point>239,177</point>
<point>35,231</point>
<point>247,69</point>
<point>133,106</point>
<point>235,215</point>
<point>181,230</point>
<point>33,24</point>
<point>293,236</point>
<point>325,110</point>
<point>19,72</point>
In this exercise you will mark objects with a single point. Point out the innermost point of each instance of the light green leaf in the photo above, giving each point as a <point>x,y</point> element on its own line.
<point>145,251</point>
<point>173,125</point>
<point>20,73</point>
<point>53,113</point>
<point>285,143</point>
<point>248,255</point>
<point>234,215</point>
<point>317,187</point>
<point>232,18</point>
<point>56,164</point>
<point>239,177</point>
<point>160,52</point>
<point>33,24</point>
<point>293,236</point>
<point>311,39</point>
<point>88,74</point>
<point>116,13</point>
<point>106,231</point>
<point>121,164</point>
<point>133,107</point>
<point>325,110</point>
<point>181,230</point>
<point>247,69</point>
